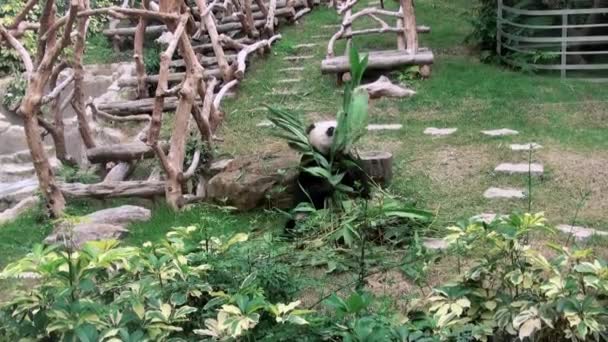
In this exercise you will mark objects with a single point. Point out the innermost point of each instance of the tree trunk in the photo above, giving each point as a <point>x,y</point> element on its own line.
<point>47,183</point>
<point>173,187</point>
<point>78,100</point>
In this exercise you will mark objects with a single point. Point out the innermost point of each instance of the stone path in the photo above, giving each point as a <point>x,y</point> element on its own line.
<point>525,147</point>
<point>438,132</point>
<point>580,233</point>
<point>506,193</point>
<point>500,132</point>
<point>520,168</point>
<point>384,127</point>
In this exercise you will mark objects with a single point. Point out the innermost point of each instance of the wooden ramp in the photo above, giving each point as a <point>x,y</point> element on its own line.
<point>380,60</point>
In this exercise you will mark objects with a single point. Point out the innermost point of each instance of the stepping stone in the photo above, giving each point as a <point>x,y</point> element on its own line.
<point>286,93</point>
<point>509,168</point>
<point>439,132</point>
<point>292,69</point>
<point>388,127</point>
<point>332,26</point>
<point>498,193</point>
<point>580,233</point>
<point>265,123</point>
<point>291,80</point>
<point>435,244</point>
<point>305,46</point>
<point>525,147</point>
<point>500,132</point>
<point>298,58</point>
<point>484,217</point>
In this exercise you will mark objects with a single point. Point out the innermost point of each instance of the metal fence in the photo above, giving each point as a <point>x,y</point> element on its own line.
<point>573,41</point>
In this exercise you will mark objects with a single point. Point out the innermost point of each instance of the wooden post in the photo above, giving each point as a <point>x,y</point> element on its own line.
<point>498,29</point>
<point>409,20</point>
<point>209,22</point>
<point>138,53</point>
<point>249,19</point>
<point>401,42</point>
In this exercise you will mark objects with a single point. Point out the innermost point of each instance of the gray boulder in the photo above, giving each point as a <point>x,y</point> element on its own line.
<point>100,225</point>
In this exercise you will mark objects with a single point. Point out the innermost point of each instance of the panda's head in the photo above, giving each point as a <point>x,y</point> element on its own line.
<point>321,135</point>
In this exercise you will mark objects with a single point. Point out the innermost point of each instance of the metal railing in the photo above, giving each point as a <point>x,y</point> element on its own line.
<point>554,39</point>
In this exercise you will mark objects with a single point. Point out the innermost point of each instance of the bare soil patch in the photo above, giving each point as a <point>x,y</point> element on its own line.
<point>578,173</point>
<point>452,166</point>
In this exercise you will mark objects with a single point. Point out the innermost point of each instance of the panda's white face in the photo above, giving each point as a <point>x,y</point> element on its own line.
<point>321,135</point>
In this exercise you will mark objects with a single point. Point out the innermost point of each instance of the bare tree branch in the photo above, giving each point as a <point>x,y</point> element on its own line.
<point>57,91</point>
<point>15,44</point>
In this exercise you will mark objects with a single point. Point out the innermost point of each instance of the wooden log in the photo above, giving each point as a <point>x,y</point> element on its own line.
<point>379,60</point>
<point>171,78</point>
<point>383,87</point>
<point>121,152</point>
<point>204,60</point>
<point>156,30</point>
<point>208,47</point>
<point>119,172</point>
<point>123,108</point>
<point>136,106</point>
<point>113,189</point>
<point>378,166</point>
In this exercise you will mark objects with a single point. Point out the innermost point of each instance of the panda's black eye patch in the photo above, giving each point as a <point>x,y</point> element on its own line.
<point>330,131</point>
<point>310,128</point>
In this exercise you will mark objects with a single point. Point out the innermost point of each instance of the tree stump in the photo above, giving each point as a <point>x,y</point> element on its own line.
<point>378,165</point>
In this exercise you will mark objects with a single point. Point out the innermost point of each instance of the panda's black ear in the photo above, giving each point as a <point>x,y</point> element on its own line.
<point>310,128</point>
<point>330,131</point>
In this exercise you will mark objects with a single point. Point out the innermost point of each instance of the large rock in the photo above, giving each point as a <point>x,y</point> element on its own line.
<point>13,193</point>
<point>12,139</point>
<point>11,214</point>
<point>256,181</point>
<point>100,225</point>
<point>120,215</point>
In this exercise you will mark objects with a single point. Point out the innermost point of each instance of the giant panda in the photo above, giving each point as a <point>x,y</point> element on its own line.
<point>316,190</point>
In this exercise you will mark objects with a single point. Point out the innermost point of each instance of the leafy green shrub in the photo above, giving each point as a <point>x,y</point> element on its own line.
<point>14,93</point>
<point>483,19</point>
<point>10,62</point>
<point>159,292</point>
<point>513,291</point>
<point>74,174</point>
<point>152,58</point>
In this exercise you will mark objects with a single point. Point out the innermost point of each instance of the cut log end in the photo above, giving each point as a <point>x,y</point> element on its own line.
<point>378,166</point>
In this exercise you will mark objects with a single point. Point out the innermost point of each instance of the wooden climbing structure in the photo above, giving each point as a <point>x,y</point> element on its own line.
<point>407,51</point>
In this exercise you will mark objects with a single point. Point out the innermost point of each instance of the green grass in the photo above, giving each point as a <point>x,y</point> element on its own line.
<point>448,175</point>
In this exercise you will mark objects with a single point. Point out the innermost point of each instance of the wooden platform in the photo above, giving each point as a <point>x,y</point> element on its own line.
<point>389,59</point>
